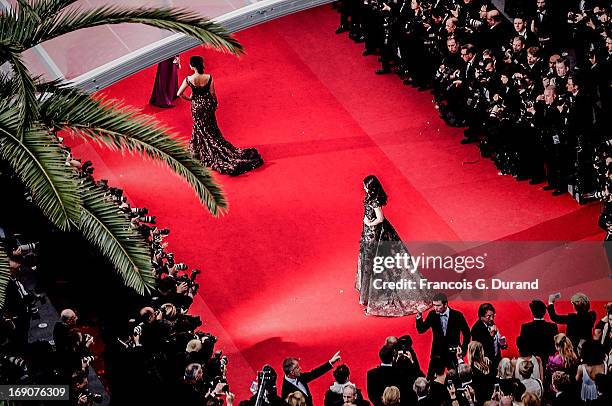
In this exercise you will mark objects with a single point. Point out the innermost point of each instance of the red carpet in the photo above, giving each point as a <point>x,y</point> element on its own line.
<point>279,269</point>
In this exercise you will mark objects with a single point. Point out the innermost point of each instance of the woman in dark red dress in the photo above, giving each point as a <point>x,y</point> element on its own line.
<point>166,83</point>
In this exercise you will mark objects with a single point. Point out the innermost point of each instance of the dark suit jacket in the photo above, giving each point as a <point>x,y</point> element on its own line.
<point>480,333</point>
<point>60,336</point>
<point>579,325</point>
<point>457,327</point>
<point>568,398</point>
<point>305,378</point>
<point>378,379</point>
<point>540,335</point>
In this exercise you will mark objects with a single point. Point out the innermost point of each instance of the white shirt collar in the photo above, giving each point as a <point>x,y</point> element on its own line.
<point>446,312</point>
<point>291,380</point>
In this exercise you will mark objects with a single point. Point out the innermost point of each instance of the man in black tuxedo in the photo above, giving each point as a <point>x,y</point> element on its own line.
<point>485,332</point>
<point>382,376</point>
<point>296,380</point>
<point>450,331</point>
<point>539,333</point>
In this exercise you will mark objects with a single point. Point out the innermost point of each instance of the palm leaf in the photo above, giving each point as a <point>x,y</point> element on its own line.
<point>105,226</point>
<point>5,273</point>
<point>40,164</point>
<point>172,19</point>
<point>119,127</point>
<point>46,8</point>
<point>25,90</point>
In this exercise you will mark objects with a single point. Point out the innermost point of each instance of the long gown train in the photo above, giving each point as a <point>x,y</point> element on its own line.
<point>383,241</point>
<point>207,143</point>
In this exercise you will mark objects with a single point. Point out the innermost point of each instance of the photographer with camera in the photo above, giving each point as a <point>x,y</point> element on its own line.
<point>80,395</point>
<point>62,329</point>
<point>17,311</point>
<point>264,390</point>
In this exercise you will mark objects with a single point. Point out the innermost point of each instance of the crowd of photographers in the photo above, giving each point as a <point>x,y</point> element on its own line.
<point>157,353</point>
<point>535,91</point>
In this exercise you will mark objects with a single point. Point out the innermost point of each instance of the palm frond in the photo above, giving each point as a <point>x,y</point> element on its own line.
<point>8,86</point>
<point>47,8</point>
<point>26,102</point>
<point>119,127</point>
<point>105,226</point>
<point>41,165</point>
<point>5,273</point>
<point>172,19</point>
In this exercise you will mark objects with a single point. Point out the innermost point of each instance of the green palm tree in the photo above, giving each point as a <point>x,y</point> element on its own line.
<point>33,111</point>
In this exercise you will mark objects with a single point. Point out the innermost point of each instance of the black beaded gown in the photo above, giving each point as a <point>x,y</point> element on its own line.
<point>207,143</point>
<point>382,240</point>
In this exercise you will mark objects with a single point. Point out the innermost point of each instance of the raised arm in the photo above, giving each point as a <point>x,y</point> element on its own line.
<point>554,317</point>
<point>422,325</point>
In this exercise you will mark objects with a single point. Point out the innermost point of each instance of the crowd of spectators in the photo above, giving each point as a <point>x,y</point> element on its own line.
<point>467,365</point>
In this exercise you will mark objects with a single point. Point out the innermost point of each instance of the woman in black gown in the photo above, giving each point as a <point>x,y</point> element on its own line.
<point>379,239</point>
<point>207,143</point>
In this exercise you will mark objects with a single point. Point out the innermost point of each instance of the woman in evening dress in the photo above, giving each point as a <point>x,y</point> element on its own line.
<point>379,239</point>
<point>166,83</point>
<point>207,143</point>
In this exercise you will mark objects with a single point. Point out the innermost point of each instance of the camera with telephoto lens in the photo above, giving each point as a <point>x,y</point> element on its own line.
<point>31,300</point>
<point>14,370</point>
<point>25,248</point>
<point>218,380</point>
<point>116,194</point>
<point>208,344</point>
<point>189,280</point>
<point>87,168</point>
<point>180,266</point>
<point>139,211</point>
<point>91,396</point>
<point>191,322</point>
<point>474,23</point>
<point>147,219</point>
<point>442,72</point>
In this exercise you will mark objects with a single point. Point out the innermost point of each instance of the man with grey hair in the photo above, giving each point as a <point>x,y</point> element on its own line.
<point>62,328</point>
<point>421,388</point>
<point>349,394</point>
<point>296,380</point>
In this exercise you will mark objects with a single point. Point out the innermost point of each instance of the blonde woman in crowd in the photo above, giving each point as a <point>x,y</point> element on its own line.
<point>482,376</point>
<point>296,399</point>
<point>391,396</point>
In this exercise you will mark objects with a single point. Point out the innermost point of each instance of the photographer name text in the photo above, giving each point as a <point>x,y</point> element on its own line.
<point>478,284</point>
